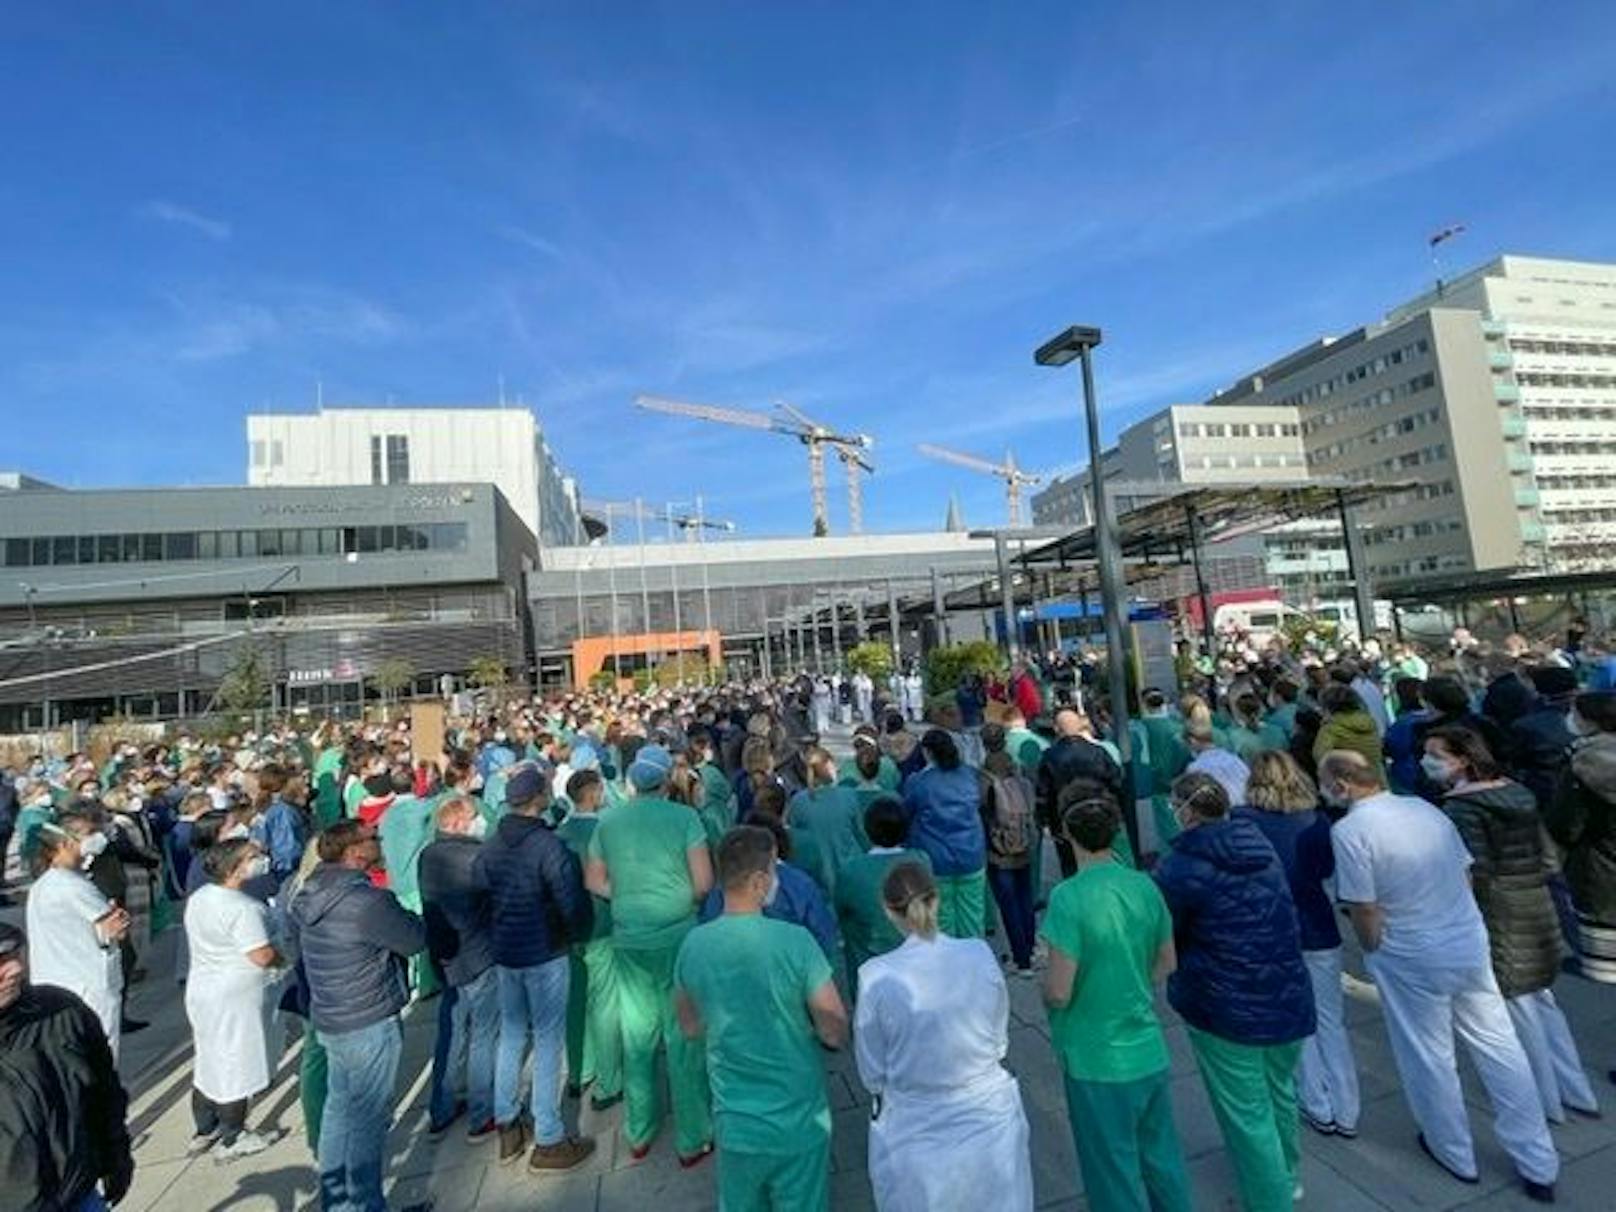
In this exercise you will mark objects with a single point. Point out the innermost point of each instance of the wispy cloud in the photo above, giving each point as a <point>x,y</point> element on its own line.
<point>184,216</point>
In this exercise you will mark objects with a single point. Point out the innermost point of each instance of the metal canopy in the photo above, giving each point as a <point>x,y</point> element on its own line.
<point>1476,587</point>
<point>1173,525</point>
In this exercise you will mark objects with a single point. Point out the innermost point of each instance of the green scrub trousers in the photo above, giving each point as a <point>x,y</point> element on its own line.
<point>1127,1146</point>
<point>594,1028</point>
<point>775,1182</point>
<point>962,904</point>
<point>1252,1088</point>
<point>645,996</point>
<point>312,1084</point>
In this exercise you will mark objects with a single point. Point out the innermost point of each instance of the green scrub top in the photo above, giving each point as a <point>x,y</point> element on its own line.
<point>405,830</point>
<point>1246,743</point>
<point>866,929</point>
<point>886,777</point>
<point>750,978</point>
<point>576,831</point>
<point>1112,921</point>
<point>717,797</point>
<point>352,796</point>
<point>827,830</point>
<point>643,843</point>
<point>327,787</point>
<point>1027,747</point>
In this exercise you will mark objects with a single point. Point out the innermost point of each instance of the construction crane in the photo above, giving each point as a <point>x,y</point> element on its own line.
<point>790,421</point>
<point>689,524</point>
<point>1007,471</point>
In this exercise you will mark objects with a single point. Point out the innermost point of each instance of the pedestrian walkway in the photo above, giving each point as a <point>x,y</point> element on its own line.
<point>1381,1170</point>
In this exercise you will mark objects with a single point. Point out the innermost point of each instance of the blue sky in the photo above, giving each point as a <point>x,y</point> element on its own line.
<point>875,211</point>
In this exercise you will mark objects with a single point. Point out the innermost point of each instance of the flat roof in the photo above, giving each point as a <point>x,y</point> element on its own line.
<point>1476,586</point>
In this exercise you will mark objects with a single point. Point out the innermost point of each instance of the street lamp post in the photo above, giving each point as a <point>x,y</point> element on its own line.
<point>1077,344</point>
<point>1007,598</point>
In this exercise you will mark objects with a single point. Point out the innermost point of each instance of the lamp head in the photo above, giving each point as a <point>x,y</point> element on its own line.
<point>1067,346</point>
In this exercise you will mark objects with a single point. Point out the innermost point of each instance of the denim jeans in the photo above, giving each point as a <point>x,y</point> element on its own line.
<point>463,1058</point>
<point>1012,890</point>
<point>532,999</point>
<point>90,1203</point>
<point>362,1070</point>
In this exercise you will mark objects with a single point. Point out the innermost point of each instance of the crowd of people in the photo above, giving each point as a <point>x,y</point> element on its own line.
<point>676,900</point>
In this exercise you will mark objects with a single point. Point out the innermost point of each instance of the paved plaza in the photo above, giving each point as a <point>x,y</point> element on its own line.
<point>1382,1169</point>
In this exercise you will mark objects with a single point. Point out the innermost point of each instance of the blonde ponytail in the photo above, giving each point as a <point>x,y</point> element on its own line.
<point>910,894</point>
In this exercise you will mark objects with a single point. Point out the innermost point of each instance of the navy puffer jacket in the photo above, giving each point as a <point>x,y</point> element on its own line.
<point>1240,971</point>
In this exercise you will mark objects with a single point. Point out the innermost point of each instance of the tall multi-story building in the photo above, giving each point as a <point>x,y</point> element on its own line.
<point>1494,395</point>
<point>340,446</point>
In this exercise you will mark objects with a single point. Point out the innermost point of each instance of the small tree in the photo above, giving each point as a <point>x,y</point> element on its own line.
<point>246,684</point>
<point>948,666</point>
<point>393,675</point>
<point>872,659</point>
<point>489,673</point>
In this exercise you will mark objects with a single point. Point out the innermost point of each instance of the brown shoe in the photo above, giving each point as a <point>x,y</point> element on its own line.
<point>563,1155</point>
<point>513,1140</point>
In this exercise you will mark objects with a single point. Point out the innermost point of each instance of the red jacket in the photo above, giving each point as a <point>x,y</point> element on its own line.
<point>1029,700</point>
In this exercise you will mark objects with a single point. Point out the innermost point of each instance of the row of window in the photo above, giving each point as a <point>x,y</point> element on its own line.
<point>1538,378</point>
<point>1404,462</point>
<point>165,546</point>
<point>1577,348</point>
<point>1450,562</point>
<point>1568,410</point>
<point>1420,492</point>
<point>1239,429</point>
<point>1570,483</point>
<point>1374,366</point>
<point>1378,535</point>
<point>1587,448</point>
<point>1375,399</point>
<point>1563,517</point>
<point>1381,433</point>
<point>1248,460</point>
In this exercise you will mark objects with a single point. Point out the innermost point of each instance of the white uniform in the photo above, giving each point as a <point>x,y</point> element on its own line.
<point>863,693</point>
<point>914,696</point>
<point>227,995</point>
<point>1435,978</point>
<point>64,949</point>
<point>932,1030</point>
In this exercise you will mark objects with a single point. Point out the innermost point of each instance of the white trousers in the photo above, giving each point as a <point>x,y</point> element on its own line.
<point>1425,1007</point>
<point>1552,1053</point>
<point>1326,1073</point>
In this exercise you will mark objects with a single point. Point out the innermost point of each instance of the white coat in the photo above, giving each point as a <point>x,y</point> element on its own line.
<point>227,996</point>
<point>932,1029</point>
<point>65,951</point>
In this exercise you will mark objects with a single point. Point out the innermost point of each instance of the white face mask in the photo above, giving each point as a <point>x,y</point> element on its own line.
<point>91,846</point>
<point>478,827</point>
<point>1439,770</point>
<point>1335,796</point>
<point>258,867</point>
<point>232,833</point>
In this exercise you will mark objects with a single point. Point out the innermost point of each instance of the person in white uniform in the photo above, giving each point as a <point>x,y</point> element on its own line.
<point>1402,870</point>
<point>74,931</point>
<point>228,1000</point>
<point>914,696</point>
<point>948,1133</point>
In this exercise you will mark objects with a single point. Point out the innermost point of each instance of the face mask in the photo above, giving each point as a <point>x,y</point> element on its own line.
<point>92,846</point>
<point>478,827</point>
<point>1439,770</point>
<point>1335,797</point>
<point>232,833</point>
<point>258,868</point>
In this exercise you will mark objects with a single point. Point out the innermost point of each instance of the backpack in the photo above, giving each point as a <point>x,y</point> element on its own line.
<point>1013,831</point>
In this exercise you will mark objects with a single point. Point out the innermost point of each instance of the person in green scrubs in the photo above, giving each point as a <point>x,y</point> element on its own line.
<point>718,797</point>
<point>1110,940</point>
<point>868,769</point>
<point>649,858</point>
<point>1169,755</point>
<point>594,1025</point>
<point>758,994</point>
<point>405,831</point>
<point>327,780</point>
<point>826,826</point>
<point>866,929</point>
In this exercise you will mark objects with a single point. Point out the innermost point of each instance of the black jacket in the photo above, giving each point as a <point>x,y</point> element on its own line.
<point>457,908</point>
<point>1538,744</point>
<point>1069,758</point>
<point>351,936</point>
<point>1504,834</point>
<point>1583,820</point>
<point>537,893</point>
<point>62,1107</point>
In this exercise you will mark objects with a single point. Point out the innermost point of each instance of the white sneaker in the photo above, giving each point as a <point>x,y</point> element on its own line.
<point>201,1143</point>
<point>245,1145</point>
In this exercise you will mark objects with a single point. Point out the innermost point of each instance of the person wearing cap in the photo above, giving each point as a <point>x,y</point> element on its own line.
<point>649,857</point>
<point>56,1148</point>
<point>1539,739</point>
<point>538,908</point>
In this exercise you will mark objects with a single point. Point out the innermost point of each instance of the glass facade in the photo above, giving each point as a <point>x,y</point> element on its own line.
<point>186,545</point>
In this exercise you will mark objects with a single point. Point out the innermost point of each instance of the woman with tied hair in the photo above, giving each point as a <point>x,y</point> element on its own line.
<point>1282,801</point>
<point>944,806</point>
<point>227,1000</point>
<point>948,1131</point>
<point>1241,985</point>
<point>1512,863</point>
<point>827,827</point>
